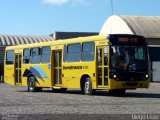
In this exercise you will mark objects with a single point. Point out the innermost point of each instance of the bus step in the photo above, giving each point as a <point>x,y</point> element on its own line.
<point>56,87</point>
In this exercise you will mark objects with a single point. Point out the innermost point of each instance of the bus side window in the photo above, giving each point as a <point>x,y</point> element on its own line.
<point>10,57</point>
<point>35,55</point>
<point>46,54</point>
<point>88,51</point>
<point>99,56</point>
<point>65,53</point>
<point>74,52</point>
<point>106,56</point>
<point>26,55</point>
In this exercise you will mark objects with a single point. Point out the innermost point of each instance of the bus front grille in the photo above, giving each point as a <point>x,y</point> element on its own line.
<point>131,84</point>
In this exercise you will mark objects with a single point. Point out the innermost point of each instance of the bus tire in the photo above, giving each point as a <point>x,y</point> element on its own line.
<point>32,84</point>
<point>88,87</point>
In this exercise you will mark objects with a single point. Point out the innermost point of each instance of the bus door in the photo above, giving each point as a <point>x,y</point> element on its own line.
<point>57,68</point>
<point>18,59</point>
<point>102,66</point>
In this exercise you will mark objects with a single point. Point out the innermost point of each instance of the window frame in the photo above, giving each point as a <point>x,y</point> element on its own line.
<point>39,54</point>
<point>45,54</point>
<point>65,53</point>
<point>66,49</point>
<point>28,56</point>
<point>10,57</point>
<point>88,52</point>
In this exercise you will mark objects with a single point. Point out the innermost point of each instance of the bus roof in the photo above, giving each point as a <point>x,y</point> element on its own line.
<point>60,42</point>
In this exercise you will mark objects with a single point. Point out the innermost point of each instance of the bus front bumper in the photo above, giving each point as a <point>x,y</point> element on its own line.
<point>114,84</point>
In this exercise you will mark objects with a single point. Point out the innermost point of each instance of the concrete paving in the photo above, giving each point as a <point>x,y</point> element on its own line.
<point>16,100</point>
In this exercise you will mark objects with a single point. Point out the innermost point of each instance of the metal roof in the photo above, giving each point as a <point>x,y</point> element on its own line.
<point>148,26</point>
<point>7,40</point>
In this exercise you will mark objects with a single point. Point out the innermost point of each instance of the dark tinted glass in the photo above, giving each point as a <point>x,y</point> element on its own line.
<point>65,53</point>
<point>26,55</point>
<point>35,55</point>
<point>10,57</point>
<point>88,51</point>
<point>74,53</point>
<point>45,54</point>
<point>74,48</point>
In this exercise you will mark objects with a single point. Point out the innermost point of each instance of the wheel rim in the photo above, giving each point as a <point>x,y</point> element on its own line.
<point>87,87</point>
<point>31,84</point>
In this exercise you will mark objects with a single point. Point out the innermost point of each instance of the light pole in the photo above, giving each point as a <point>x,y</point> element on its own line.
<point>112,6</point>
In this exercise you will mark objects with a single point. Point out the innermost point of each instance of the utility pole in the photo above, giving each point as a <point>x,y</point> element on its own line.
<point>112,6</point>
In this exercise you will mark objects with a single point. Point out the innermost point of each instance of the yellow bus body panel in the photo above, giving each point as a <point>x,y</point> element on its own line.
<point>74,71</point>
<point>9,74</point>
<point>45,81</point>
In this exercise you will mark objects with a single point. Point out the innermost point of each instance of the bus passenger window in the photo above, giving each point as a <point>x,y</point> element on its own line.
<point>65,53</point>
<point>88,51</point>
<point>10,57</point>
<point>45,54</point>
<point>74,53</point>
<point>26,55</point>
<point>99,56</point>
<point>105,55</point>
<point>35,55</point>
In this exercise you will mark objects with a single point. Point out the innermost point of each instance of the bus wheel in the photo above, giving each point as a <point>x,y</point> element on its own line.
<point>31,84</point>
<point>88,87</point>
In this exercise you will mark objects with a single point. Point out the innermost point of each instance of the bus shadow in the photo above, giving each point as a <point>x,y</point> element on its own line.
<point>142,95</point>
<point>130,95</point>
<point>104,93</point>
<point>127,94</point>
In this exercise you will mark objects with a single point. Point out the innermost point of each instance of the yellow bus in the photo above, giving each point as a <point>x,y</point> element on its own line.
<point>115,62</point>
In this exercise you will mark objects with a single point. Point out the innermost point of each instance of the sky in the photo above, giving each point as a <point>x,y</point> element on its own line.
<point>43,17</point>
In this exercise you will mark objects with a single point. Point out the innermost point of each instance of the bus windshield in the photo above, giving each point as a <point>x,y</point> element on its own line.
<point>131,58</point>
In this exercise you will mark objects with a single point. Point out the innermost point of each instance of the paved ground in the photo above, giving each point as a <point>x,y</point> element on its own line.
<point>15,100</point>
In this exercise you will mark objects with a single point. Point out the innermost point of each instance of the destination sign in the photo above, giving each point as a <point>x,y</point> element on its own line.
<point>126,40</point>
<point>130,40</point>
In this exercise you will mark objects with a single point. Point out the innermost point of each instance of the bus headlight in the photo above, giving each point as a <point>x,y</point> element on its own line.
<point>147,76</point>
<point>114,76</point>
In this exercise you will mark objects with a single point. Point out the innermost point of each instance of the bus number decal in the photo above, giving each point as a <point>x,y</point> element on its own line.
<point>74,67</point>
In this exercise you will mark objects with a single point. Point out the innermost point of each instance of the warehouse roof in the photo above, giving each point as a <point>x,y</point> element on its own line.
<point>6,40</point>
<point>148,26</point>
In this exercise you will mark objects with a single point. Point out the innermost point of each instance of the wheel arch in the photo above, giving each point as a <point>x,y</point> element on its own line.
<point>82,80</point>
<point>30,75</point>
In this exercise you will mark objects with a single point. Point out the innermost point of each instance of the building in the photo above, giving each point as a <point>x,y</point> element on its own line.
<point>66,35</point>
<point>148,26</point>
